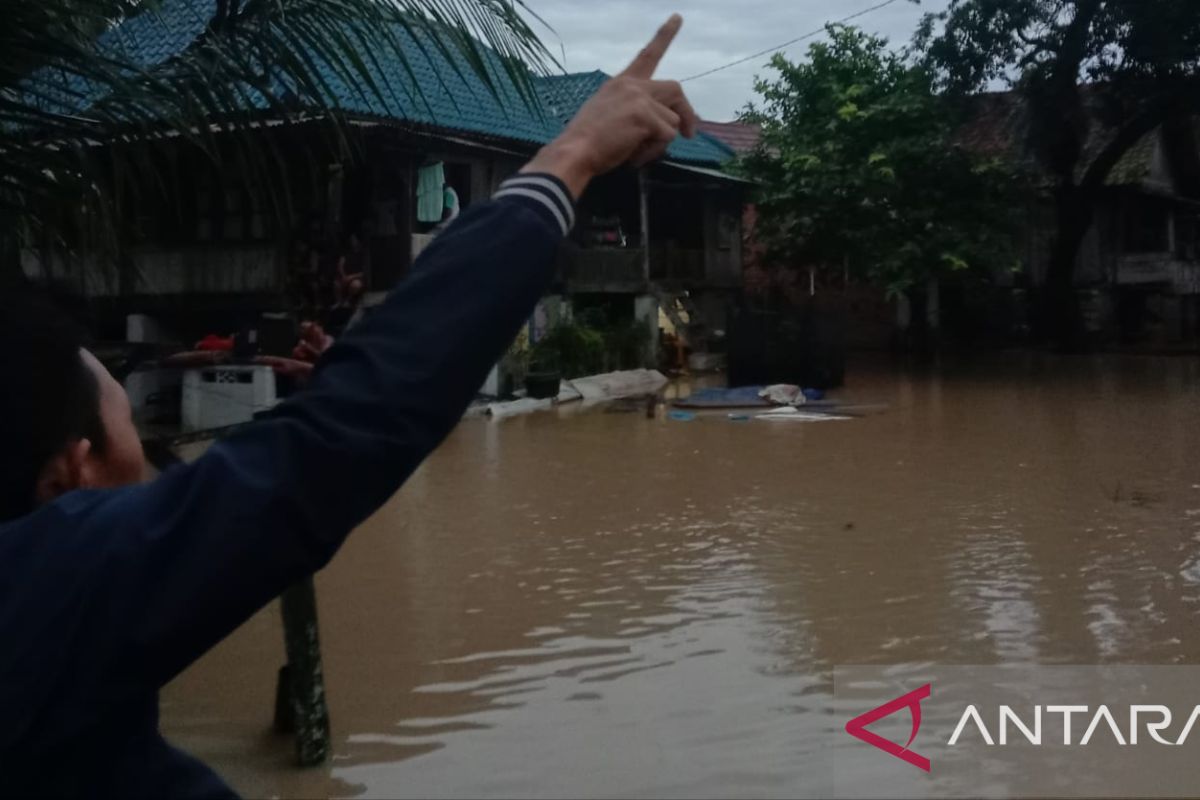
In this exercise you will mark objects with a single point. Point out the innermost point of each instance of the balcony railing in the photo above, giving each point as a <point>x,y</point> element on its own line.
<point>676,264</point>
<point>1148,268</point>
<point>601,268</point>
<point>620,269</point>
<point>695,267</point>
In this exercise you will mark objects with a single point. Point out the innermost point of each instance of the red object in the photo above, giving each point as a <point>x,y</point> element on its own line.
<point>212,342</point>
<point>857,727</point>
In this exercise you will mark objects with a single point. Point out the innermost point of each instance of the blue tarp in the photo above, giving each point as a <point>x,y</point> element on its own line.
<point>737,397</point>
<point>718,397</point>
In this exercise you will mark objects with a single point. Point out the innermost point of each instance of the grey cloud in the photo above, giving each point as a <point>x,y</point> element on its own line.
<point>604,34</point>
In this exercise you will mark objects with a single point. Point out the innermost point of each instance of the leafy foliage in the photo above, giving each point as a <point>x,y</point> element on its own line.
<point>590,344</point>
<point>1140,57</point>
<point>977,42</point>
<point>1144,56</point>
<point>570,347</point>
<point>859,167</point>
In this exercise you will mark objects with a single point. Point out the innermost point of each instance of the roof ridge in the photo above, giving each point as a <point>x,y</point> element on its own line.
<point>437,89</point>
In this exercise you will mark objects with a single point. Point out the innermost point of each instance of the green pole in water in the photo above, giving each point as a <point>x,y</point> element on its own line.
<point>300,706</point>
<point>300,696</point>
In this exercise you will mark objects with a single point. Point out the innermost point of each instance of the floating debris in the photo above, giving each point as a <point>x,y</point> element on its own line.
<point>790,414</point>
<point>513,408</point>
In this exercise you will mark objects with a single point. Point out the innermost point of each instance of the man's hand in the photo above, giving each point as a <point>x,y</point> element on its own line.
<point>631,118</point>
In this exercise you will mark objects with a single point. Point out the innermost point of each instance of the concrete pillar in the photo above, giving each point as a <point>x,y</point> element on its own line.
<point>550,311</point>
<point>645,311</point>
<point>644,212</point>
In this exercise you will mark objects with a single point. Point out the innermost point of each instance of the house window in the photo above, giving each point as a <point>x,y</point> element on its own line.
<point>1148,226</point>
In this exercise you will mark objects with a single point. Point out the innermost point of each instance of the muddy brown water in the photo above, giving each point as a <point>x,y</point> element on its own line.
<point>600,604</point>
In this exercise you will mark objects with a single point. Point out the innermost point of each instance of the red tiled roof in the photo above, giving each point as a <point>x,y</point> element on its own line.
<point>998,126</point>
<point>738,136</point>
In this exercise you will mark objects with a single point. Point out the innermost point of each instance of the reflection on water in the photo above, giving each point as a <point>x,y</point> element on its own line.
<point>602,604</point>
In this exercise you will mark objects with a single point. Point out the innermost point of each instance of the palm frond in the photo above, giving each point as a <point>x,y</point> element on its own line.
<point>79,79</point>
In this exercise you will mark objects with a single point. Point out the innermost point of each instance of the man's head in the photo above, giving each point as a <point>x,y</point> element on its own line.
<point>65,423</point>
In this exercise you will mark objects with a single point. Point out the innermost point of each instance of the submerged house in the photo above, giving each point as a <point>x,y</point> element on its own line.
<point>1138,272</point>
<point>668,236</point>
<point>743,139</point>
<point>215,258</point>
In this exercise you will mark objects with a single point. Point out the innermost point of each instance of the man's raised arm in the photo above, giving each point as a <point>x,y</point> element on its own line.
<point>171,567</point>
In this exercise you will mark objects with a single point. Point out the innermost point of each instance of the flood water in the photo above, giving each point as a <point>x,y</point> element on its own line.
<point>596,603</point>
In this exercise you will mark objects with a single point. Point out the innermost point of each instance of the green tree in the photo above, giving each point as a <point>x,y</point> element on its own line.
<point>1142,61</point>
<point>858,167</point>
<point>74,98</point>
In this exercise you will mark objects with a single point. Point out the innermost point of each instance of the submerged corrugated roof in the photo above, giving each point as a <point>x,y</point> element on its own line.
<point>430,90</point>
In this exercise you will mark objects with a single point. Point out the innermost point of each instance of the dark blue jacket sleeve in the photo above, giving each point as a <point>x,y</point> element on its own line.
<point>134,584</point>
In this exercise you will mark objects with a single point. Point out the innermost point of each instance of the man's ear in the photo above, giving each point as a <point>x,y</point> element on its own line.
<point>64,472</point>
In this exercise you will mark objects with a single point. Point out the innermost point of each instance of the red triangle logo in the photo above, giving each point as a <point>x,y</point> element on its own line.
<point>857,727</point>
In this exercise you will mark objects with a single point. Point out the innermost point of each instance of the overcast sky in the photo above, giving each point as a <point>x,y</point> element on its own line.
<point>604,34</point>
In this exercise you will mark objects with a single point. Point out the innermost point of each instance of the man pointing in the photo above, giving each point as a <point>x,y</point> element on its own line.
<point>110,587</point>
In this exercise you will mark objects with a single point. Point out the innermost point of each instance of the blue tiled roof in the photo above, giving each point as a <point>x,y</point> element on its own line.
<point>442,94</point>
<point>430,90</point>
<point>145,40</point>
<point>158,34</point>
<point>562,95</point>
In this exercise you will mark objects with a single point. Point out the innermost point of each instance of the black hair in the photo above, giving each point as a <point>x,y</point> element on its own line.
<point>49,396</point>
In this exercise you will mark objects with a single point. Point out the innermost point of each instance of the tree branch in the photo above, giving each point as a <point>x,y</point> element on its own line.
<point>1039,42</point>
<point>1074,43</point>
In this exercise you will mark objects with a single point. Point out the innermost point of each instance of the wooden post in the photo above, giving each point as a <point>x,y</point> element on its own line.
<point>300,704</point>
<point>301,681</point>
<point>644,203</point>
<point>708,226</point>
<point>333,204</point>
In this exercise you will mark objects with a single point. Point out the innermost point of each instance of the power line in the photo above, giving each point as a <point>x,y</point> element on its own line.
<point>791,42</point>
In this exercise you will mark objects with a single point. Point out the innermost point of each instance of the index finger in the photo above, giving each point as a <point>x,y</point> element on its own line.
<point>644,64</point>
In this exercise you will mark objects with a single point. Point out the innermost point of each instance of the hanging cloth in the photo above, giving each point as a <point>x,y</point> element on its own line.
<point>430,197</point>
